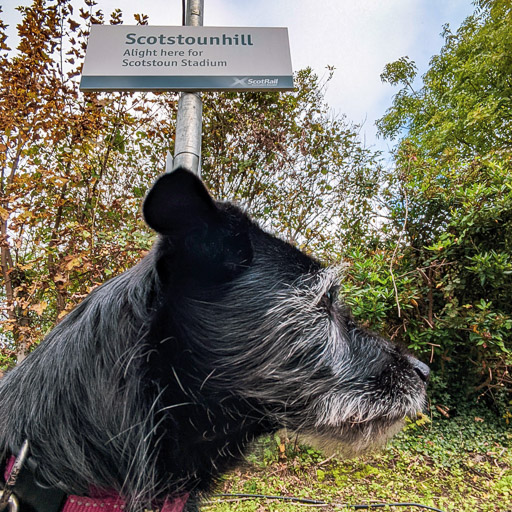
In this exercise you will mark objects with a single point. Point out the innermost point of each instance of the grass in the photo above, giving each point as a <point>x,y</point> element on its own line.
<point>462,464</point>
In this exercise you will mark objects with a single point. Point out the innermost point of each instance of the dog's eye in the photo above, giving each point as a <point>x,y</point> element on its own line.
<point>332,295</point>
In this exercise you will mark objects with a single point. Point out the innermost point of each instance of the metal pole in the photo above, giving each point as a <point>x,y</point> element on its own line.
<point>187,146</point>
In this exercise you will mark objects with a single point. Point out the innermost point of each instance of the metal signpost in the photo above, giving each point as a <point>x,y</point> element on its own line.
<point>188,59</point>
<point>189,121</point>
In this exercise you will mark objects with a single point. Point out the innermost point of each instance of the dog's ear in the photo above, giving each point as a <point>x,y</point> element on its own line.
<point>210,242</point>
<point>178,203</point>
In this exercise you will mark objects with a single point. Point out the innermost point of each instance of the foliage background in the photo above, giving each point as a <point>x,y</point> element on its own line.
<point>426,241</point>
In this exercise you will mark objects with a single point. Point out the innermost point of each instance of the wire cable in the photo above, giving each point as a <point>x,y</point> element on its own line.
<point>308,501</point>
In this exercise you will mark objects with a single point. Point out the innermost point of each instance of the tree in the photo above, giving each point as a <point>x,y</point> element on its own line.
<point>464,108</point>
<point>69,216</point>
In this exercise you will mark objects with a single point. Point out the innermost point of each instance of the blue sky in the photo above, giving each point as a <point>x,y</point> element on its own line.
<point>357,37</point>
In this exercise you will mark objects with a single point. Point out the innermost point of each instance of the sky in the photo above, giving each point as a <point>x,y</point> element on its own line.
<point>357,37</point>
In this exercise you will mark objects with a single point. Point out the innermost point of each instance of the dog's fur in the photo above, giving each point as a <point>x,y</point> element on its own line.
<point>156,383</point>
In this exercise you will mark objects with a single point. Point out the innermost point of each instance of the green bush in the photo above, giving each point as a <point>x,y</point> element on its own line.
<point>442,285</point>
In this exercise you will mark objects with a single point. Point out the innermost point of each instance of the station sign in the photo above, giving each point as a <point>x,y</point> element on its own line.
<point>153,58</point>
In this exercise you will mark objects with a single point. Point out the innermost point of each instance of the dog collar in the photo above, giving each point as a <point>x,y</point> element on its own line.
<point>29,496</point>
<point>113,504</point>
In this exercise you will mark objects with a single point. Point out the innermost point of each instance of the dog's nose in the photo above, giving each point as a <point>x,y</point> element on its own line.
<point>420,368</point>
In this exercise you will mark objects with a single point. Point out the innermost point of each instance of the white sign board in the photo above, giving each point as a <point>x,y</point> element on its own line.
<point>152,58</point>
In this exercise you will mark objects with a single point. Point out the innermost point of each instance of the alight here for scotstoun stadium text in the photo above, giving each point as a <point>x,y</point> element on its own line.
<point>190,58</point>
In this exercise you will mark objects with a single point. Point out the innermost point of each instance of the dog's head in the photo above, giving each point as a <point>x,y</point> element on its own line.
<point>262,324</point>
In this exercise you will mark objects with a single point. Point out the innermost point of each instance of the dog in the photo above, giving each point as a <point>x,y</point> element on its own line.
<point>156,384</point>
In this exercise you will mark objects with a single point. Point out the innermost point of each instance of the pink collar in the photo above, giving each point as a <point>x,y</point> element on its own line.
<point>105,503</point>
<point>112,504</point>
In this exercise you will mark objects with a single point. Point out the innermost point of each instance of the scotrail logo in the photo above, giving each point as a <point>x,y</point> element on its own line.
<point>254,82</point>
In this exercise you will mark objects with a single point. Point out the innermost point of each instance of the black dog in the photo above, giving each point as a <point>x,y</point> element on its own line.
<point>156,383</point>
